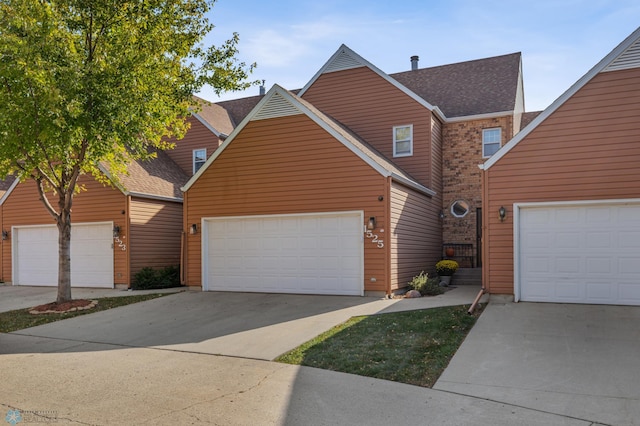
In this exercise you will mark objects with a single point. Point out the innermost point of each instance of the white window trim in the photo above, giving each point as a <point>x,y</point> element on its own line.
<point>193,158</point>
<point>404,154</point>
<point>483,142</point>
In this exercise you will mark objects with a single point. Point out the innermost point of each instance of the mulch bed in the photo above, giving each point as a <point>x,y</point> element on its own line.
<point>61,308</point>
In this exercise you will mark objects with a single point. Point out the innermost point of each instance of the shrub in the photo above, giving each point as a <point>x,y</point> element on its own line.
<point>446,268</point>
<point>149,278</point>
<point>425,285</point>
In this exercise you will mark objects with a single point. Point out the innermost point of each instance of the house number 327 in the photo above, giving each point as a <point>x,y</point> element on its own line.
<point>375,239</point>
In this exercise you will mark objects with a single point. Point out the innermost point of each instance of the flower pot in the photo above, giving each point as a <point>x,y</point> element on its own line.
<point>445,281</point>
<point>449,251</point>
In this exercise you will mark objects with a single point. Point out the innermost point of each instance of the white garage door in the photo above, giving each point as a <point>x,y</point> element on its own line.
<point>35,255</point>
<point>580,253</point>
<point>313,254</point>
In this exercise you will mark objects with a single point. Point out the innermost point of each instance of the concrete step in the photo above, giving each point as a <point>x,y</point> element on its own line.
<point>468,276</point>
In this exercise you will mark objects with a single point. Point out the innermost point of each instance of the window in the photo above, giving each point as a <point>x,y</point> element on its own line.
<point>199,158</point>
<point>491,139</point>
<point>460,208</point>
<point>403,141</point>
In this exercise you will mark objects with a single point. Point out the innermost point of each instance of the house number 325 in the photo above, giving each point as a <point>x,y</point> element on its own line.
<point>375,239</point>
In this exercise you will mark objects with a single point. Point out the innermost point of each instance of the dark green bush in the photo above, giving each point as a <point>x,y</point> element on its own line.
<point>149,278</point>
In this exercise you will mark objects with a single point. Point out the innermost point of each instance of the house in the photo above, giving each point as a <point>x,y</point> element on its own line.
<point>350,184</point>
<point>116,230</point>
<point>562,198</point>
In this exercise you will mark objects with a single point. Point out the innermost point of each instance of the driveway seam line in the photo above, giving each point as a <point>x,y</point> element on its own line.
<point>123,345</point>
<point>591,422</point>
<point>540,390</point>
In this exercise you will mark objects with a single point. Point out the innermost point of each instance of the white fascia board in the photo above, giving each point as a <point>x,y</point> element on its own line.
<point>9,191</point>
<point>378,71</point>
<point>113,181</point>
<point>229,139</point>
<point>413,185</point>
<point>153,196</point>
<point>479,116</point>
<point>515,211</point>
<point>599,67</point>
<point>577,203</point>
<point>324,68</point>
<point>206,124</point>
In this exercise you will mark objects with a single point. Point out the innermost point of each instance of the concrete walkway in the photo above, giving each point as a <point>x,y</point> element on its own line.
<point>97,384</point>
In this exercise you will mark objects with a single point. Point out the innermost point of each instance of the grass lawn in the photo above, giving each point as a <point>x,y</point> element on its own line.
<point>411,347</point>
<point>21,318</point>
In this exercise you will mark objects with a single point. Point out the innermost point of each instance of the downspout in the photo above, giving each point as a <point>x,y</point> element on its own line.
<point>476,301</point>
<point>128,235</point>
<point>183,240</point>
<point>182,237</point>
<point>387,237</point>
<point>485,241</point>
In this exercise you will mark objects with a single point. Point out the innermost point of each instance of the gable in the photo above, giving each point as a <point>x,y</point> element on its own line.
<point>371,106</point>
<point>626,56</point>
<point>279,103</point>
<point>282,158</point>
<point>345,59</point>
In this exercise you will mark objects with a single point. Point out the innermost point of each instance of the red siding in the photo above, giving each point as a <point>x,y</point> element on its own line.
<point>197,137</point>
<point>155,234</point>
<point>286,165</point>
<point>588,149</point>
<point>371,107</point>
<point>416,235</point>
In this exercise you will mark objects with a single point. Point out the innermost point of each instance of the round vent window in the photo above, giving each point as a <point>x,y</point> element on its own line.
<point>460,208</point>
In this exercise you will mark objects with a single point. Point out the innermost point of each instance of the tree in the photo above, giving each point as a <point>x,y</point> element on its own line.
<point>90,83</point>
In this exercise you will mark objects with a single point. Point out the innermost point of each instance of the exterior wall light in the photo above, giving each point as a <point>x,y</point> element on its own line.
<point>193,229</point>
<point>5,235</point>
<point>502,213</point>
<point>116,231</point>
<point>441,214</point>
<point>371,225</point>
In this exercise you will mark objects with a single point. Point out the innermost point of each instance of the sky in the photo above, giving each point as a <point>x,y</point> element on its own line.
<point>290,40</point>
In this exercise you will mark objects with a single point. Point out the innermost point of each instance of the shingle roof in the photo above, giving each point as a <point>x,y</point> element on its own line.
<point>5,184</point>
<point>528,117</point>
<point>217,116</point>
<point>160,177</point>
<point>238,109</point>
<point>475,87</point>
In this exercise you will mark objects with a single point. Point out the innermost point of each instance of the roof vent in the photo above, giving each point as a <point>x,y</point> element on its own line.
<point>414,62</point>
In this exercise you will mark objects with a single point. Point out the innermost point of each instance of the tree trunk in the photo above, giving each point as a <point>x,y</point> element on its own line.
<point>64,257</point>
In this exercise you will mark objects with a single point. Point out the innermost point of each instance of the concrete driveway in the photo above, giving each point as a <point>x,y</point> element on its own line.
<point>152,363</point>
<point>248,325</point>
<point>579,361</point>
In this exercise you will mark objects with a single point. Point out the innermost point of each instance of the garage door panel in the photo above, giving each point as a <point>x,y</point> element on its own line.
<point>601,290</point>
<point>630,291</point>
<point>580,254</point>
<point>629,266</point>
<point>316,254</point>
<point>35,255</point>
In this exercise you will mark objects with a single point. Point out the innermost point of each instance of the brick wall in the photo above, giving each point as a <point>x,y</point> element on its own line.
<point>462,152</point>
